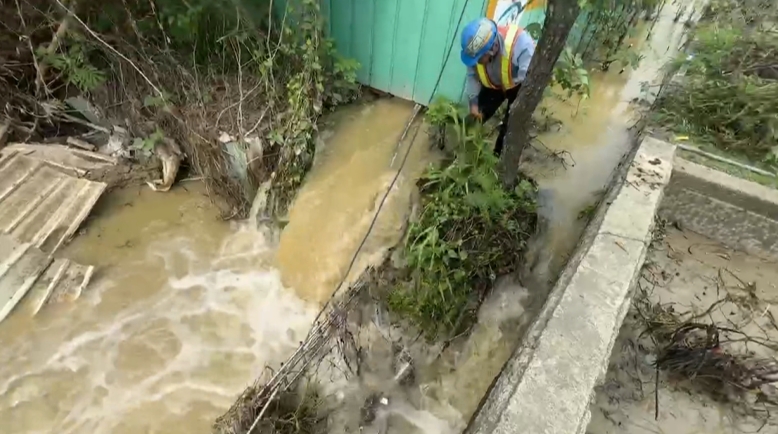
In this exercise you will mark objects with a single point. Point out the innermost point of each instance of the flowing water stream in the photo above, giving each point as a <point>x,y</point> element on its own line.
<point>186,310</point>
<point>595,135</point>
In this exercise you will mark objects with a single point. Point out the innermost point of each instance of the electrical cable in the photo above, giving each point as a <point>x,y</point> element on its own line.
<point>416,110</point>
<point>314,343</point>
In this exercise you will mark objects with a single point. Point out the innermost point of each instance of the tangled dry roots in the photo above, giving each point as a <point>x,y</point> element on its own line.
<point>694,353</point>
<point>289,412</point>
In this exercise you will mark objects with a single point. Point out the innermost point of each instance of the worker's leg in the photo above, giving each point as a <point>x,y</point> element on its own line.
<point>489,100</point>
<point>510,95</point>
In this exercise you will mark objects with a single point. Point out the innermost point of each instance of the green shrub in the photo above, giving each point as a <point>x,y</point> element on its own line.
<point>470,230</point>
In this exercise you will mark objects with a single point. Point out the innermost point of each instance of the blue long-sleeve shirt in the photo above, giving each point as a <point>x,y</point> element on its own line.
<point>521,56</point>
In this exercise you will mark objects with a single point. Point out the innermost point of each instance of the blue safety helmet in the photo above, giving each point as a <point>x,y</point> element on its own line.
<point>478,36</point>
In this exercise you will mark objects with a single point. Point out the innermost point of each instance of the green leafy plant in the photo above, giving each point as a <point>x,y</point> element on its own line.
<point>74,66</point>
<point>193,67</point>
<point>606,27</point>
<point>146,145</point>
<point>727,93</point>
<point>469,231</point>
<point>156,101</point>
<point>570,74</point>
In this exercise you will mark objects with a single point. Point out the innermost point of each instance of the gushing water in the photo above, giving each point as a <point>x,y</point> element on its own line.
<point>162,344</point>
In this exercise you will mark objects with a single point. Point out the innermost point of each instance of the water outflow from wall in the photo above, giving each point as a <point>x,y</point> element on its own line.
<point>333,211</point>
<point>187,310</point>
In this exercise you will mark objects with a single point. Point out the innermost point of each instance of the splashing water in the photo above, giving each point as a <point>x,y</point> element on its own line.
<point>162,344</point>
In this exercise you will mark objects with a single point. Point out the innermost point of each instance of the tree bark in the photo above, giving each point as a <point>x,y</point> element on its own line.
<point>560,17</point>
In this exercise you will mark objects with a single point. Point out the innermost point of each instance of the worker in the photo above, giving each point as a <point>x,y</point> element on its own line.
<point>497,60</point>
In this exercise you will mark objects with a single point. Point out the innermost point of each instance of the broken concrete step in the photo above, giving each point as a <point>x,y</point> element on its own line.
<point>20,266</point>
<point>63,281</point>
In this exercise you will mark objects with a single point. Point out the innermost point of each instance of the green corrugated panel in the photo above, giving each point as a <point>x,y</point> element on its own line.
<point>401,44</point>
<point>340,24</point>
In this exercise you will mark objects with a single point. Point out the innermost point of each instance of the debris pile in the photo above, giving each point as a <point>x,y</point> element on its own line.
<point>164,79</point>
<point>721,340</point>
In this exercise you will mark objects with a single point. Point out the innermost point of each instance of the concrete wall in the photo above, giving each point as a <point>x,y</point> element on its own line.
<point>547,385</point>
<point>738,213</point>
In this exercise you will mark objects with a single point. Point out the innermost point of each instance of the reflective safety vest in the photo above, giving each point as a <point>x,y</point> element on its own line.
<point>509,34</point>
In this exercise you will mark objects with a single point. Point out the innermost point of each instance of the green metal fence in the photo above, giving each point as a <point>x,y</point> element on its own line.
<point>401,45</point>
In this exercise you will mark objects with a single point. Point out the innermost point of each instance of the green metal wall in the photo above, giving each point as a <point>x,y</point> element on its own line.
<point>401,44</point>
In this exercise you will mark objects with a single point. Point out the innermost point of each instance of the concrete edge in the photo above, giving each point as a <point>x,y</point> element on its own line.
<point>740,214</point>
<point>547,384</point>
<point>715,184</point>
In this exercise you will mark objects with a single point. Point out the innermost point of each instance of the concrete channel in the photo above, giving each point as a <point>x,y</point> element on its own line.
<point>549,382</point>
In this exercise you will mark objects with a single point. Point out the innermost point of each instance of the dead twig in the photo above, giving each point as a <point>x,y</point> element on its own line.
<point>111,48</point>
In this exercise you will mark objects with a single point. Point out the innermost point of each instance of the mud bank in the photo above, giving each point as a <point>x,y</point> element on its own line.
<point>690,274</point>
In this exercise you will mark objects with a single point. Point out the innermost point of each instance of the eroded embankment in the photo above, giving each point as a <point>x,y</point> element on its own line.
<point>378,362</point>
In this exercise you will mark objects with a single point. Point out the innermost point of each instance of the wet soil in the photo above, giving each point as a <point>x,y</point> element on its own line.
<point>127,174</point>
<point>690,273</point>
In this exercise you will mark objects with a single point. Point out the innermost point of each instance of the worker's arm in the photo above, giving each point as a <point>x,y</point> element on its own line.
<point>472,89</point>
<point>523,50</point>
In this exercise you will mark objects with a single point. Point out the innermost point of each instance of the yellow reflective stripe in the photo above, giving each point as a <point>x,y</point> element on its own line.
<point>484,77</point>
<point>507,68</point>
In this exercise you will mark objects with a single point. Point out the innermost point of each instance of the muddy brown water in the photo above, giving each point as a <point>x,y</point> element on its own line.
<point>354,167</point>
<point>594,136</point>
<point>186,310</point>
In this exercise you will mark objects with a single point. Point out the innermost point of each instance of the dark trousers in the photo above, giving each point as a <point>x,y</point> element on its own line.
<point>489,100</point>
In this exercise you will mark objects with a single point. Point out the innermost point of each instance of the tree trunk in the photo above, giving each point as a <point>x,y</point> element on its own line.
<point>560,17</point>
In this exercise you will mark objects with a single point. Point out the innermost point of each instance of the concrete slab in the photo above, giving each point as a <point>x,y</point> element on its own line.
<point>20,266</point>
<point>40,204</point>
<point>633,209</point>
<point>548,384</point>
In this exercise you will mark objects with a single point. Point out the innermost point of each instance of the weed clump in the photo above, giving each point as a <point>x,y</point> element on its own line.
<point>727,95</point>
<point>237,85</point>
<point>469,231</point>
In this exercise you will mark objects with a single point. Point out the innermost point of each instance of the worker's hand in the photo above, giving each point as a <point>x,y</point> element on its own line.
<point>476,112</point>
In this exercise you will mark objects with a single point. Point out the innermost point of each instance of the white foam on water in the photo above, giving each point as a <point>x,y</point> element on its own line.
<point>426,421</point>
<point>168,363</point>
